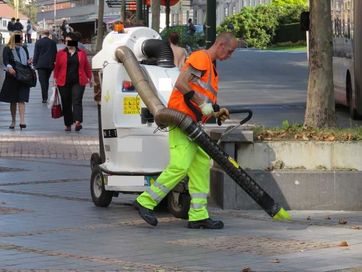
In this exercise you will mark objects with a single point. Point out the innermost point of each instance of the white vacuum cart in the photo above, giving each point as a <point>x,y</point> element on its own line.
<point>132,151</point>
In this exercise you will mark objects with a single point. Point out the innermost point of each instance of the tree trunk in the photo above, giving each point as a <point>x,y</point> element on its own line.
<point>100,29</point>
<point>155,11</point>
<point>320,111</point>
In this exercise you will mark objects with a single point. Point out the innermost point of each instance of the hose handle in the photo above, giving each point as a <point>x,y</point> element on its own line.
<point>216,108</point>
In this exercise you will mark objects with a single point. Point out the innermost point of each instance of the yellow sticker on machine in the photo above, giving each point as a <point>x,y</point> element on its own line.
<point>131,105</point>
<point>233,162</point>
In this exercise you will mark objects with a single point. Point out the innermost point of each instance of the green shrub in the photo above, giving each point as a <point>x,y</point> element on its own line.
<point>259,24</point>
<point>256,25</point>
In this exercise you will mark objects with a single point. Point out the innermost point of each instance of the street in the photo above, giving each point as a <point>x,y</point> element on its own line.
<point>271,83</point>
<point>49,223</point>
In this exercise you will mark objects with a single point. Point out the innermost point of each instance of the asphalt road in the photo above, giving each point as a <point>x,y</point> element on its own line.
<point>271,83</point>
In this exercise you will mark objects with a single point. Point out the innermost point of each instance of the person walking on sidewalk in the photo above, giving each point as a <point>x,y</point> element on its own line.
<point>194,94</point>
<point>179,53</point>
<point>11,24</point>
<point>44,58</point>
<point>29,31</point>
<point>72,72</point>
<point>18,25</point>
<point>14,91</point>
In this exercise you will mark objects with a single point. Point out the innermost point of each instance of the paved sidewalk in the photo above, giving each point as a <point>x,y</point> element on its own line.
<point>48,223</point>
<point>45,137</point>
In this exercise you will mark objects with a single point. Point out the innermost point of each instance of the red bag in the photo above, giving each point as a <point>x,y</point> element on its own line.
<point>57,107</point>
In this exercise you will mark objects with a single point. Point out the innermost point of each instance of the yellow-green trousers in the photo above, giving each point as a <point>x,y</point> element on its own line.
<point>186,159</point>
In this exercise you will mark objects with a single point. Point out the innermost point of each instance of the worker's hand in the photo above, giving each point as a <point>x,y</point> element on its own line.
<point>11,71</point>
<point>206,109</point>
<point>222,114</point>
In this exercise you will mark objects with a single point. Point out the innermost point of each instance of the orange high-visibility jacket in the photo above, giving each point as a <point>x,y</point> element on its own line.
<point>206,85</point>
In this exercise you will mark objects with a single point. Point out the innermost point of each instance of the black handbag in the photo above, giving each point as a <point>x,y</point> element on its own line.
<point>25,74</point>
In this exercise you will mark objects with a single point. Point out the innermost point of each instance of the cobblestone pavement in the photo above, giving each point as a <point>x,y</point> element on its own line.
<point>49,223</point>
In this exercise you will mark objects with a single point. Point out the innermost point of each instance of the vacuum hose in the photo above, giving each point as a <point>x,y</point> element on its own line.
<point>168,117</point>
<point>160,50</point>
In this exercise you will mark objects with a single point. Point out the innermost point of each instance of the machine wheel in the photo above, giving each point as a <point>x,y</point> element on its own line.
<point>100,197</point>
<point>95,160</point>
<point>179,203</point>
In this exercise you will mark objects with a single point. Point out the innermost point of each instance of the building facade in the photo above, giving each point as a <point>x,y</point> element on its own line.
<point>82,14</point>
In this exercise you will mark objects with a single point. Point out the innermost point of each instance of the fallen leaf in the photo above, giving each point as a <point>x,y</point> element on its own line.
<point>246,269</point>
<point>308,218</point>
<point>275,261</point>
<point>343,244</point>
<point>342,221</point>
<point>331,138</point>
<point>356,227</point>
<point>328,218</point>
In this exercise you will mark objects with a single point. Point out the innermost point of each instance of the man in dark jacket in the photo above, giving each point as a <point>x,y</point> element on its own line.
<point>43,60</point>
<point>11,25</point>
<point>18,26</point>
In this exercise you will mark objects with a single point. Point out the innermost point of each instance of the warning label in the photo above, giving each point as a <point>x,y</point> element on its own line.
<point>131,105</point>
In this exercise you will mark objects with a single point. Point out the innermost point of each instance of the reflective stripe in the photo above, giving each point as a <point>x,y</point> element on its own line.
<point>199,195</point>
<point>197,206</point>
<point>153,195</point>
<point>163,188</point>
<point>206,86</point>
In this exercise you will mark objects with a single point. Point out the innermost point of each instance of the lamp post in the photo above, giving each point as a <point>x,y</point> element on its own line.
<point>42,11</point>
<point>16,4</point>
<point>55,10</point>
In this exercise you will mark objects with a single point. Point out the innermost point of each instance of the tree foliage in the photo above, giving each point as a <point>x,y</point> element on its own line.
<point>257,25</point>
<point>288,11</point>
<point>29,10</point>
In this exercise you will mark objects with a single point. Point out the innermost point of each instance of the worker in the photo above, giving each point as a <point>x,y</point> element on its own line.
<point>194,94</point>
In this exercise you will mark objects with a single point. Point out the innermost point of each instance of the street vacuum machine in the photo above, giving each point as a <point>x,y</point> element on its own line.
<point>137,76</point>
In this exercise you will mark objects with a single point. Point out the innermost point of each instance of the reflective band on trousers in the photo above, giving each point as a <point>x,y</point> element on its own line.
<point>197,206</point>
<point>161,187</point>
<point>199,195</point>
<point>154,195</point>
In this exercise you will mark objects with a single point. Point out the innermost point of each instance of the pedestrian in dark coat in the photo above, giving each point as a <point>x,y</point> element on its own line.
<point>18,26</point>
<point>44,59</point>
<point>13,91</point>
<point>11,25</point>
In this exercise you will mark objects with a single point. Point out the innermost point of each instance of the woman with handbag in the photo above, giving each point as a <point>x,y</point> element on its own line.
<point>13,90</point>
<point>71,73</point>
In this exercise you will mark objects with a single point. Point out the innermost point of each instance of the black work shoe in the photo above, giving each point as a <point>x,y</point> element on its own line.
<point>146,214</point>
<point>205,224</point>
